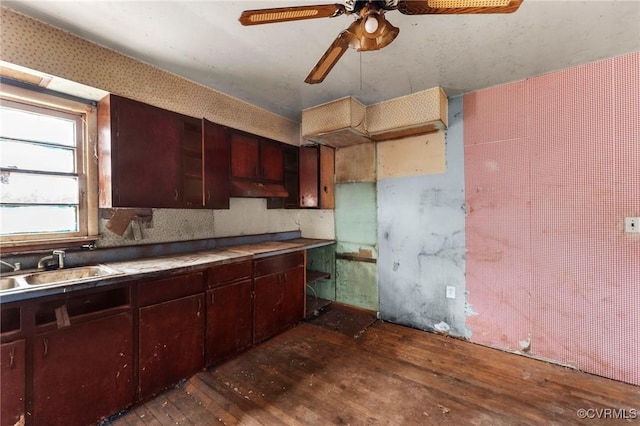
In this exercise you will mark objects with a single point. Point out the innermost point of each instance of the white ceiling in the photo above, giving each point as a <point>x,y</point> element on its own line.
<point>266,64</point>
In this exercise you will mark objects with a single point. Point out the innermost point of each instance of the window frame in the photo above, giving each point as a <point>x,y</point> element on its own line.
<point>86,169</point>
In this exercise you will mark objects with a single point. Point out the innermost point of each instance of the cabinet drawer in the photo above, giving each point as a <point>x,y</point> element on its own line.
<point>229,272</point>
<point>82,307</point>
<point>271,265</point>
<point>10,319</point>
<point>162,290</point>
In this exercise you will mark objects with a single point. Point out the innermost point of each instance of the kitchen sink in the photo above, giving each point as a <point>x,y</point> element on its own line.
<point>58,276</point>
<point>7,283</point>
<point>71,274</point>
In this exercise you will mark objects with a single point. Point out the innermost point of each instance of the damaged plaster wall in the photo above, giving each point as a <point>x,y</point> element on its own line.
<point>246,216</point>
<point>421,232</point>
<point>356,227</point>
<point>356,245</point>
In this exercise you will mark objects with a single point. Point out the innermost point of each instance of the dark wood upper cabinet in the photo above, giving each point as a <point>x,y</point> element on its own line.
<point>245,156</point>
<point>151,157</point>
<point>192,170</point>
<point>256,158</point>
<point>272,159</point>
<point>291,181</point>
<point>317,170</point>
<point>257,166</point>
<point>217,189</point>
<point>140,154</point>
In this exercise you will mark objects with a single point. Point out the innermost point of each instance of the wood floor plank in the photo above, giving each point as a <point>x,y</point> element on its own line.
<point>217,405</point>
<point>386,375</point>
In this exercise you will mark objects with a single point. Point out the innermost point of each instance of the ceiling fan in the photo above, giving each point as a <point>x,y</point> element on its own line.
<point>370,30</point>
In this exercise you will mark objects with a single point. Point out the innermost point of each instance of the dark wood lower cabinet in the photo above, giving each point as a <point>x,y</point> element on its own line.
<point>73,363</point>
<point>171,345</point>
<point>279,302</point>
<point>12,382</point>
<point>293,302</point>
<point>229,320</point>
<point>83,372</point>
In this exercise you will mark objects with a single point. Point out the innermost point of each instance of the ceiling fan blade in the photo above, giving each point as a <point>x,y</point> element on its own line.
<point>284,14</point>
<point>429,7</point>
<point>330,58</point>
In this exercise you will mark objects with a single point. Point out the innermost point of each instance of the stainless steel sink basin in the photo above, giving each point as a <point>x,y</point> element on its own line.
<point>7,283</point>
<point>64,275</point>
<point>59,276</point>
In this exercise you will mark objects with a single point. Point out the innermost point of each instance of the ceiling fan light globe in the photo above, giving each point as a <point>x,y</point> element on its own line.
<point>371,24</point>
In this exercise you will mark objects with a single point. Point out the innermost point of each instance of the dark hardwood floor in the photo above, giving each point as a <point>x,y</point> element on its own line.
<point>331,372</point>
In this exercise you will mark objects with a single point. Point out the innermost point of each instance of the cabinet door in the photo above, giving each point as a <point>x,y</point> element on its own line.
<point>229,320</point>
<point>192,171</point>
<point>146,155</point>
<point>83,372</point>
<point>217,189</point>
<point>293,300</point>
<point>245,156</point>
<point>12,382</point>
<point>309,176</point>
<point>272,159</point>
<point>317,170</point>
<point>267,307</point>
<point>171,343</point>
<point>327,177</point>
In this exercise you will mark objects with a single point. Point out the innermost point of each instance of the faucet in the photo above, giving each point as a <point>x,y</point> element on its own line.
<point>15,267</point>
<point>44,262</point>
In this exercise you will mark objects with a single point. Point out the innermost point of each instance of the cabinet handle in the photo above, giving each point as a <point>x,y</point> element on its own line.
<point>213,299</point>
<point>12,361</point>
<point>285,276</point>
<point>208,196</point>
<point>175,196</point>
<point>45,344</point>
<point>199,307</point>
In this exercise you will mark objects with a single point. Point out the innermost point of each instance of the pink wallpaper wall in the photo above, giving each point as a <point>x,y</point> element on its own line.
<point>552,167</point>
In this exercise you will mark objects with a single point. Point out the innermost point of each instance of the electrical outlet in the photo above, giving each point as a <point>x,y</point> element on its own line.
<point>632,225</point>
<point>451,292</point>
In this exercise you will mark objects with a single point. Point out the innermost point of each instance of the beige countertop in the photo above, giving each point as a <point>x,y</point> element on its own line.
<point>154,266</point>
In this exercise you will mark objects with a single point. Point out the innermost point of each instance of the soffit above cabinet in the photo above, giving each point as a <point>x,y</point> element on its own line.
<point>346,122</point>
<point>339,123</point>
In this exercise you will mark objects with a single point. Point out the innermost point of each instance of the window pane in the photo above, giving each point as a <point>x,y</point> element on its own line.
<point>38,189</point>
<point>31,126</point>
<point>21,155</point>
<point>36,219</point>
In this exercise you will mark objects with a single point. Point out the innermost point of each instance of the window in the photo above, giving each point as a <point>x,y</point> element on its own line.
<point>44,172</point>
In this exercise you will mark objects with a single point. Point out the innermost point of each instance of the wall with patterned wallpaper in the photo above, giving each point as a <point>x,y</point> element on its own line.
<point>38,46</point>
<point>552,167</point>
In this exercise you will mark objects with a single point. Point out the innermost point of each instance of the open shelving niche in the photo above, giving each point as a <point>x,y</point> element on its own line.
<point>321,287</point>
